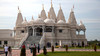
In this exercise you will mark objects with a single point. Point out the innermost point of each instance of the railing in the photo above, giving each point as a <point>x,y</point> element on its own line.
<point>42,40</point>
<point>80,36</point>
<point>24,37</point>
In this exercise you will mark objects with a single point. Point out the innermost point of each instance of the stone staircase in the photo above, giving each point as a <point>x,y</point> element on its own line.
<point>31,40</point>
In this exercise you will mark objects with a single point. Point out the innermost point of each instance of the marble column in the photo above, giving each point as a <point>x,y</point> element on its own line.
<point>78,32</point>
<point>53,31</point>
<point>84,32</point>
<point>33,30</point>
<point>43,30</point>
<point>52,36</point>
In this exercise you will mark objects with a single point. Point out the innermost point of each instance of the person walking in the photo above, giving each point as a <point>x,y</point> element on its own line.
<point>34,50</point>
<point>9,51</point>
<point>31,48</point>
<point>6,50</point>
<point>38,48</point>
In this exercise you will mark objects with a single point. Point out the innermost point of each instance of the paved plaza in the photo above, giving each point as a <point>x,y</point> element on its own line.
<point>16,52</point>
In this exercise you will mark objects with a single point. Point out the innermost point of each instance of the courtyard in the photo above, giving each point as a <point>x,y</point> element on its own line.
<point>59,52</point>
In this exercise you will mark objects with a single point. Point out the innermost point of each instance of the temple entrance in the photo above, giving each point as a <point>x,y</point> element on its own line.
<point>30,31</point>
<point>39,31</point>
<point>48,44</point>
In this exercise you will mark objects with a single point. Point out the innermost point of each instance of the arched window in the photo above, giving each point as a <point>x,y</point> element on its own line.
<point>22,31</point>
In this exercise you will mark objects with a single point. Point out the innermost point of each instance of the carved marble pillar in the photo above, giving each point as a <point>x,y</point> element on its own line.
<point>52,42</point>
<point>33,30</point>
<point>43,30</point>
<point>53,31</point>
<point>78,32</point>
<point>84,32</point>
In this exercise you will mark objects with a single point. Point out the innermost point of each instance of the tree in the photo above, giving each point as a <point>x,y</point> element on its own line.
<point>66,48</point>
<point>44,50</point>
<point>52,48</point>
<point>95,48</point>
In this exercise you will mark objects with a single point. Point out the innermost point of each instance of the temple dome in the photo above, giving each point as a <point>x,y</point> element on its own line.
<point>24,22</point>
<point>61,22</point>
<point>39,20</point>
<point>82,25</point>
<point>49,20</point>
<point>32,21</point>
<point>77,26</point>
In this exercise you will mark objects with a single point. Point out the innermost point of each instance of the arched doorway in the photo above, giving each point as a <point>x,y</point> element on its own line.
<point>82,43</point>
<point>48,44</point>
<point>39,31</point>
<point>56,44</point>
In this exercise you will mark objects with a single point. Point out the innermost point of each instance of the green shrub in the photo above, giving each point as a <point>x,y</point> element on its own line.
<point>95,48</point>
<point>34,51</point>
<point>44,50</point>
<point>66,48</point>
<point>52,48</point>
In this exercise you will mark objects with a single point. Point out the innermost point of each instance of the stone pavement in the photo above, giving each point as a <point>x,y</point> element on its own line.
<point>16,52</point>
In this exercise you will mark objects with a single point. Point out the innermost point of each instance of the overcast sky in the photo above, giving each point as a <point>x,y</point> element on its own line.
<point>86,10</point>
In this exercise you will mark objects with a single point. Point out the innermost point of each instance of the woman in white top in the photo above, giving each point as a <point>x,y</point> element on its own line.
<point>6,50</point>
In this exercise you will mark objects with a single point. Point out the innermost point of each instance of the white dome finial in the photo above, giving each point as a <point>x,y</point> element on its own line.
<point>51,3</point>
<point>60,6</point>
<point>72,9</point>
<point>42,6</point>
<point>18,10</point>
<point>81,22</point>
<point>32,17</point>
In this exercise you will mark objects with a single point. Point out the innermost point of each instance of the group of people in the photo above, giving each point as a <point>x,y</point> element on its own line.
<point>34,46</point>
<point>8,50</point>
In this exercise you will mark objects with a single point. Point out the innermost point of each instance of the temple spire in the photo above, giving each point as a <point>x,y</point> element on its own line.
<point>51,3</point>
<point>72,19</point>
<point>19,18</point>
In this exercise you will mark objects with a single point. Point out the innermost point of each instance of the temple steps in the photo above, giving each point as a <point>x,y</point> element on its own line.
<point>31,40</point>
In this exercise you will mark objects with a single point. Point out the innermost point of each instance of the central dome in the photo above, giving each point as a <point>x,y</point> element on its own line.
<point>49,20</point>
<point>39,20</point>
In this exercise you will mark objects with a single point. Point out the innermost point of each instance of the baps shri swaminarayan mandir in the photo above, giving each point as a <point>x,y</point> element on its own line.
<point>48,30</point>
